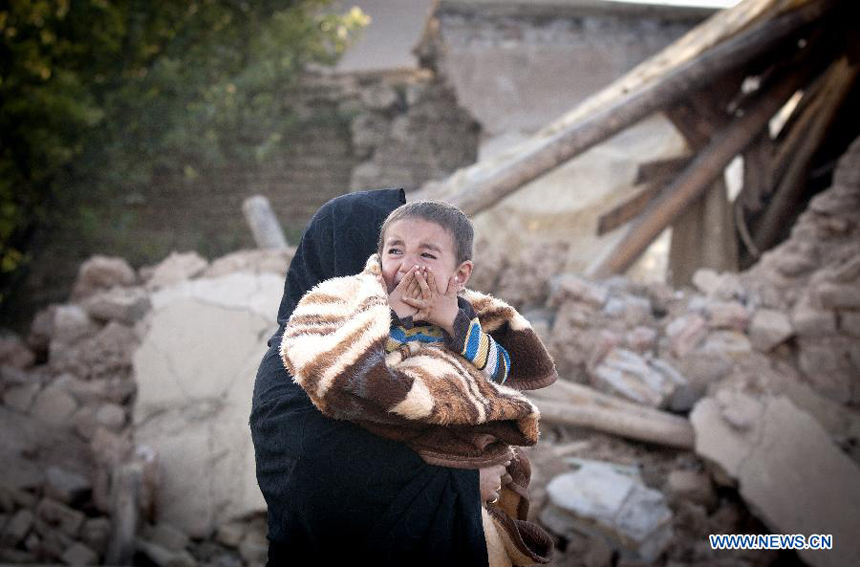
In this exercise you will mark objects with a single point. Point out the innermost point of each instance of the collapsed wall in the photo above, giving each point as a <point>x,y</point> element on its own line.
<point>152,370</point>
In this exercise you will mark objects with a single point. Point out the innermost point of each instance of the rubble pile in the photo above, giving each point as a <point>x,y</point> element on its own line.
<point>764,364</point>
<point>69,391</point>
<point>128,406</point>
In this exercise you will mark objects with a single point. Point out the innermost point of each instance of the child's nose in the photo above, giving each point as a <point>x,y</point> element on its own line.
<point>409,260</point>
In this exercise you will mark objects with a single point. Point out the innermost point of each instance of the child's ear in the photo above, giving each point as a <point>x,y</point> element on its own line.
<point>464,272</point>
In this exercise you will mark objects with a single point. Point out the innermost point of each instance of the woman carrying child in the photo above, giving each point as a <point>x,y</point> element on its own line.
<point>337,492</point>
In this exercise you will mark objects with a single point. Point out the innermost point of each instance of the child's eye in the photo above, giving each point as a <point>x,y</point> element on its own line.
<point>429,255</point>
<point>393,250</point>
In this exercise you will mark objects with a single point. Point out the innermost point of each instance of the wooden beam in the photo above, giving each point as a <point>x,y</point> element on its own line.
<point>628,210</point>
<point>567,403</point>
<point>840,78</point>
<point>656,174</point>
<point>698,176</point>
<point>758,178</point>
<point>796,129</point>
<point>703,235</point>
<point>660,169</point>
<point>728,40</point>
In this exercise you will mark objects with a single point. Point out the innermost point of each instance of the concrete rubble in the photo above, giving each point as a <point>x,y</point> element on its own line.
<point>601,500</point>
<point>149,373</point>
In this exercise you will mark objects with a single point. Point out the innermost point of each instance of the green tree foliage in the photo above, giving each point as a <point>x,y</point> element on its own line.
<point>96,95</point>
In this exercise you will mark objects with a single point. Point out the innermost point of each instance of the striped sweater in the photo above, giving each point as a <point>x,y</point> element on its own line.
<point>469,341</point>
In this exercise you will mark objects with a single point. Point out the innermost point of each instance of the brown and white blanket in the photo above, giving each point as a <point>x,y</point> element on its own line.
<point>430,398</point>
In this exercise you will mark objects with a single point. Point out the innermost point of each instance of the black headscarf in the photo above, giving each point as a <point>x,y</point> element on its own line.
<point>335,492</point>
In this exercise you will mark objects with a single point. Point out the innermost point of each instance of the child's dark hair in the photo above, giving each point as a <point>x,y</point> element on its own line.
<point>447,216</point>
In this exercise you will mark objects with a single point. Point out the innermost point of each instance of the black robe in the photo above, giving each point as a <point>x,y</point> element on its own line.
<point>336,493</point>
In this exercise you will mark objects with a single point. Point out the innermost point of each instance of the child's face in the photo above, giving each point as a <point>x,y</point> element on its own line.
<point>417,242</point>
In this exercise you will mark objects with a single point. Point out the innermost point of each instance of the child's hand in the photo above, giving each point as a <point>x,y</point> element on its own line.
<point>406,286</point>
<point>434,304</point>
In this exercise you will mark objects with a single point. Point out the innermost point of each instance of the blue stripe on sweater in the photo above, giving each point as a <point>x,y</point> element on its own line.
<point>474,341</point>
<point>398,334</point>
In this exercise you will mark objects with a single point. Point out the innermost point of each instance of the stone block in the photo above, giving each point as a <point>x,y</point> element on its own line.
<point>811,322</point>
<point>79,555</point>
<point>839,296</point>
<point>12,498</point>
<point>105,355</point>
<point>11,376</point>
<point>849,323</point>
<point>167,537</point>
<point>95,533</point>
<point>825,366</point>
<point>83,391</point>
<point>67,486</point>
<point>706,280</point>
<point>727,315</point>
<point>33,543</point>
<point>17,557</point>
<point>254,548</point>
<point>163,557</point>
<point>693,486</point>
<point>230,534</point>
<point>848,272</point>
<point>110,449</point>
<point>110,416</point>
<point>71,324</point>
<point>724,285</point>
<point>631,309</point>
<point>69,521</point>
<point>54,406</point>
<point>793,265</point>
<point>84,422</point>
<point>641,339</point>
<point>769,328</point>
<point>42,329</point>
<point>124,305</point>
<point>269,260</point>
<point>570,287</point>
<point>599,499</point>
<point>101,273</point>
<point>14,353</point>
<point>176,268</point>
<point>54,542</point>
<point>379,97</point>
<point>20,398</point>
<point>685,333</point>
<point>649,382</point>
<point>17,528</point>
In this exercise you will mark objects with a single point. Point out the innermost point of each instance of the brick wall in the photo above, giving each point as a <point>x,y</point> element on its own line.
<point>362,131</point>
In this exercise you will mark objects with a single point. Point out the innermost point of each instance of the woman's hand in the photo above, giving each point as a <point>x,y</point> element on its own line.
<point>491,482</point>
